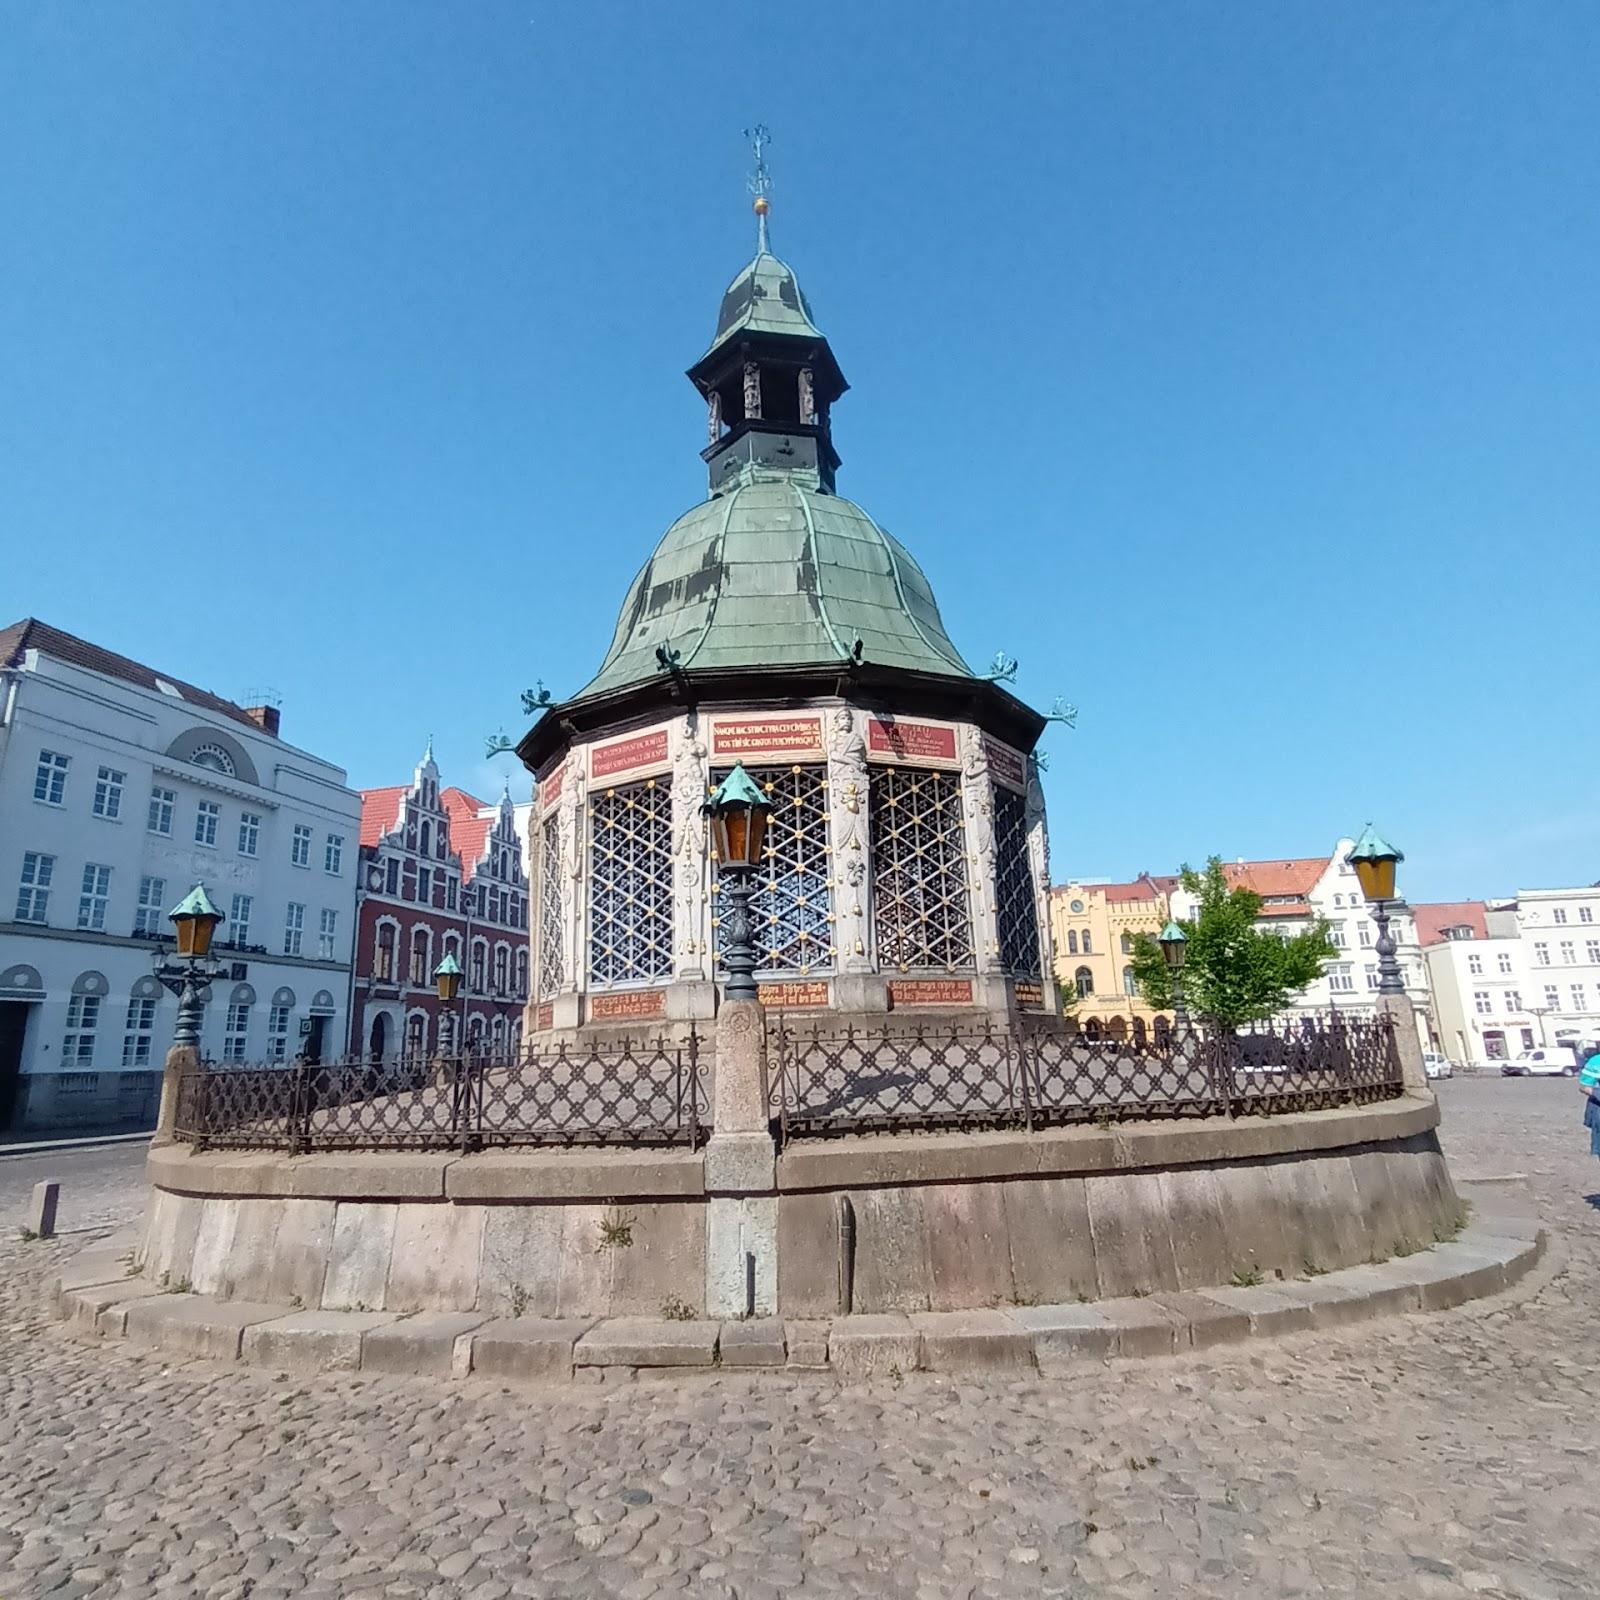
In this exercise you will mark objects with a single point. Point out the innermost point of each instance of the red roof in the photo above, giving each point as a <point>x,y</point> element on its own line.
<point>468,831</point>
<point>1296,877</point>
<point>1143,888</point>
<point>379,810</point>
<point>1433,919</point>
<point>31,634</point>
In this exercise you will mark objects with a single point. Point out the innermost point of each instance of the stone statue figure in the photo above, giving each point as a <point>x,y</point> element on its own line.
<point>689,850</point>
<point>752,391</point>
<point>808,398</point>
<point>847,806</point>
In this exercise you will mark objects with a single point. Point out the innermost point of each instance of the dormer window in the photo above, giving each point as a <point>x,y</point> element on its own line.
<point>214,758</point>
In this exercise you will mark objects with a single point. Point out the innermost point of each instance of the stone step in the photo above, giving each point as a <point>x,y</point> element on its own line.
<point>97,1299</point>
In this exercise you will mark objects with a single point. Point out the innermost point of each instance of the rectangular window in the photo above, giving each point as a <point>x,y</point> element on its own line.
<point>300,848</point>
<point>1364,934</point>
<point>1552,997</point>
<point>249,833</point>
<point>77,1047</point>
<point>383,954</point>
<point>1513,1000</point>
<point>1336,933</point>
<point>161,804</point>
<point>1541,954</point>
<point>78,1083</point>
<point>333,853</point>
<point>391,879</point>
<point>294,923</point>
<point>33,895</point>
<point>152,902</point>
<point>1475,965</point>
<point>449,894</point>
<point>205,823</point>
<point>1372,977</point>
<point>136,1041</point>
<point>1592,950</point>
<point>424,885</point>
<point>1341,979</point>
<point>1580,997</point>
<point>480,952</point>
<point>238,923</point>
<point>1561,914</point>
<point>1481,1001</point>
<point>236,1033</point>
<point>278,1033</point>
<point>108,793</point>
<point>92,901</point>
<point>325,932</point>
<point>1585,913</point>
<point>1569,953</point>
<point>1505,961</point>
<point>50,778</point>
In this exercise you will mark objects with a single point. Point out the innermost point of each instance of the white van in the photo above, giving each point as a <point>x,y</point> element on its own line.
<point>1550,1061</point>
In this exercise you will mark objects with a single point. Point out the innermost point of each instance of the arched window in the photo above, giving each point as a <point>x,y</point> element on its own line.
<point>1083,981</point>
<point>427,838</point>
<point>497,1036</point>
<point>1072,941</point>
<point>452,946</point>
<point>1091,1029</point>
<point>214,757</point>
<point>1163,1033</point>
<point>1117,1029</point>
<point>1128,984</point>
<point>1127,944</point>
<point>1141,1034</point>
<point>383,955</point>
<point>480,955</point>
<point>522,974</point>
<point>1088,948</point>
<point>420,941</point>
<point>501,969</point>
<point>416,1035</point>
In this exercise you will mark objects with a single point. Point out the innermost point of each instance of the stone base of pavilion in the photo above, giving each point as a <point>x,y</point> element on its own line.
<point>866,1224</point>
<point>100,1297</point>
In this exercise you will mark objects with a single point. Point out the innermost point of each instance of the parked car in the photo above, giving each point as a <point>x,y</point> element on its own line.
<point>1553,1061</point>
<point>1437,1066</point>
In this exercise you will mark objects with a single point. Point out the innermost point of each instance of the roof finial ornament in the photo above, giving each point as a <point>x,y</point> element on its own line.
<point>760,137</point>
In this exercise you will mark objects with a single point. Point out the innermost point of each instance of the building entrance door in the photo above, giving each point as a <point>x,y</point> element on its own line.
<point>13,1028</point>
<point>378,1039</point>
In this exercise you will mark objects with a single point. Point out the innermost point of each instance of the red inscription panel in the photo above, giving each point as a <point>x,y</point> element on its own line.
<point>632,1003</point>
<point>550,789</point>
<point>643,750</point>
<point>767,736</point>
<point>930,991</point>
<point>544,1019</point>
<point>793,996</point>
<point>911,741</point>
<point>1005,765</point>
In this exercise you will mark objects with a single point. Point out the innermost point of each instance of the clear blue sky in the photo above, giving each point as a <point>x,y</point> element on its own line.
<point>1235,366</point>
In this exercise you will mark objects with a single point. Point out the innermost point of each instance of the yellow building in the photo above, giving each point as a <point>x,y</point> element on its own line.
<point>1095,925</point>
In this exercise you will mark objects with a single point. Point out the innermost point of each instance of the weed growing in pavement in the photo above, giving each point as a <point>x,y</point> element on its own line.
<point>1247,1277</point>
<point>27,1235</point>
<point>616,1231</point>
<point>519,1299</point>
<point>675,1310</point>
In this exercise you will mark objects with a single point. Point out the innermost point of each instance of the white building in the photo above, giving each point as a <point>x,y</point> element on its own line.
<point>1483,1000</point>
<point>120,790</point>
<point>1559,931</point>
<point>1294,893</point>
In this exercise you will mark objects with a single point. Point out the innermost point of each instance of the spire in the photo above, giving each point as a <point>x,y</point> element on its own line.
<point>760,137</point>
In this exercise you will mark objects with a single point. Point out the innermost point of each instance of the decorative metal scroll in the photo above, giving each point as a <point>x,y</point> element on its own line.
<point>861,1081</point>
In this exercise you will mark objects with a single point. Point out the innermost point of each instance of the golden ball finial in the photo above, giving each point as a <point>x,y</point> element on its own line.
<point>761,206</point>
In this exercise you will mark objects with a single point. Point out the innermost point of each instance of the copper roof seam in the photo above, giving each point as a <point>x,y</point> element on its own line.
<point>816,566</point>
<point>905,604</point>
<point>716,593</point>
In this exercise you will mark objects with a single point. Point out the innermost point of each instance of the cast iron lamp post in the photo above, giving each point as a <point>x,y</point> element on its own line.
<point>738,811</point>
<point>1374,860</point>
<point>194,920</point>
<point>1174,949</point>
<point>447,975</point>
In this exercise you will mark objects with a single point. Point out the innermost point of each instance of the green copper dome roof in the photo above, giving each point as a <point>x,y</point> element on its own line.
<point>765,298</point>
<point>775,572</point>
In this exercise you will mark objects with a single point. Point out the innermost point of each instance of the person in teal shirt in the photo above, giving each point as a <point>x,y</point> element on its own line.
<point>1589,1082</point>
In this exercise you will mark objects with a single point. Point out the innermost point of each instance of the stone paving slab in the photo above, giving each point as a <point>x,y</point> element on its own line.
<point>196,1325</point>
<point>529,1349</point>
<point>83,1308</point>
<point>647,1342</point>
<point>807,1342</point>
<point>973,1341</point>
<point>313,1341</point>
<point>1066,1335</point>
<point>874,1346</point>
<point>757,1343</point>
<point>428,1343</point>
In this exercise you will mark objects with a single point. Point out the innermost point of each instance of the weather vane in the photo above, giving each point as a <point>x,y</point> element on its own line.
<point>760,137</point>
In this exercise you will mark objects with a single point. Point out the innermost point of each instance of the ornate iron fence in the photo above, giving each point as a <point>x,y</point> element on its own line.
<point>649,1093</point>
<point>856,1081</point>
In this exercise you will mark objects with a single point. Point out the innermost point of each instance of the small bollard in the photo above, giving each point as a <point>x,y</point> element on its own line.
<point>42,1214</point>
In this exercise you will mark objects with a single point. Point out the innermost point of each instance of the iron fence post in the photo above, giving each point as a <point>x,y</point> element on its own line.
<point>299,1110</point>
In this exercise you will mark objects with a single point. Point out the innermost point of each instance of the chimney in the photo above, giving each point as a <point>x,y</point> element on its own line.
<point>265,718</point>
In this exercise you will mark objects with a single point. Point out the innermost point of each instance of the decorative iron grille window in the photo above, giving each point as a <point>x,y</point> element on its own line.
<point>630,884</point>
<point>552,971</point>
<point>1016,909</point>
<point>921,914</point>
<point>792,908</point>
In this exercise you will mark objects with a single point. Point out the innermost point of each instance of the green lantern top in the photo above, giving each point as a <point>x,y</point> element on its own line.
<point>448,968</point>
<point>737,789</point>
<point>195,904</point>
<point>1372,846</point>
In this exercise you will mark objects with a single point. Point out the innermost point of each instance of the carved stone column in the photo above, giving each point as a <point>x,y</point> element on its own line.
<point>691,946</point>
<point>849,840</point>
<point>714,418</point>
<point>977,801</point>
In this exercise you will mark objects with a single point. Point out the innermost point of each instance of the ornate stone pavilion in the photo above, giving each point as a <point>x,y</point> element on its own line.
<point>778,625</point>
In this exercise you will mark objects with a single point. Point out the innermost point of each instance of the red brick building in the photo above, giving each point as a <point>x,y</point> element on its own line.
<point>441,873</point>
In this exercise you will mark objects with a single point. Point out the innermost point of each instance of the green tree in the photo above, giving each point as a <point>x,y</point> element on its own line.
<point>1234,972</point>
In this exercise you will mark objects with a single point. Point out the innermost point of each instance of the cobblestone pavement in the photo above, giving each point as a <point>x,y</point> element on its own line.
<point>1434,1456</point>
<point>100,1186</point>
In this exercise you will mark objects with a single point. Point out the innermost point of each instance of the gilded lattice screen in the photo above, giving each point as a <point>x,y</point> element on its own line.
<point>630,883</point>
<point>1016,907</point>
<point>921,913</point>
<point>552,963</point>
